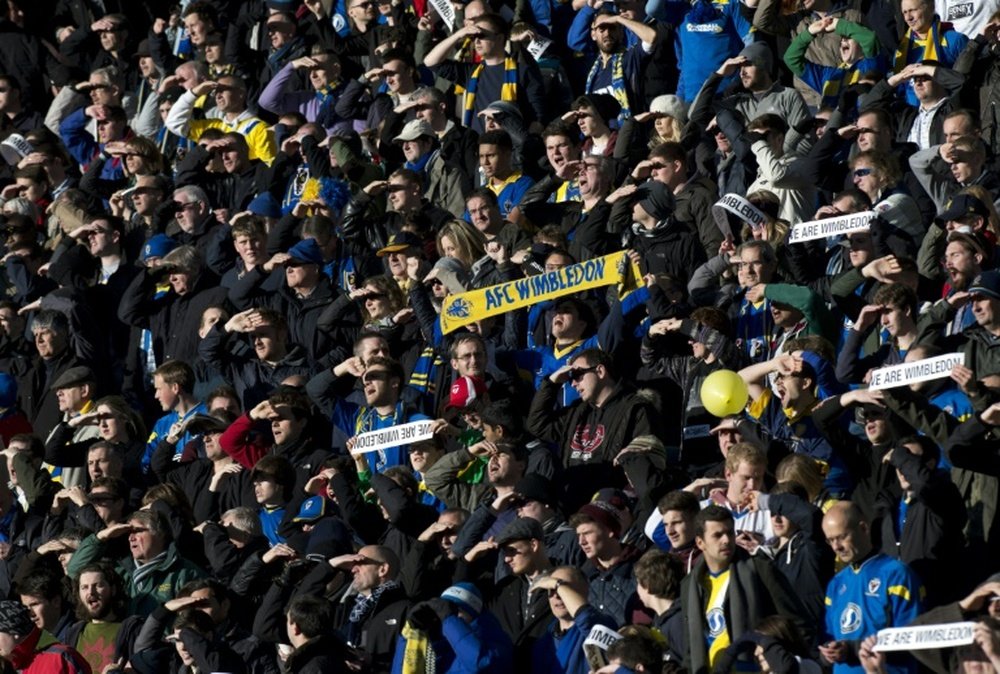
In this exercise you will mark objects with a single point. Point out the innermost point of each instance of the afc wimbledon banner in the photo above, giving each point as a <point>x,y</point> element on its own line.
<point>475,305</point>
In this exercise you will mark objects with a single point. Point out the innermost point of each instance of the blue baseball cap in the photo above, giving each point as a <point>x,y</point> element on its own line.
<point>158,246</point>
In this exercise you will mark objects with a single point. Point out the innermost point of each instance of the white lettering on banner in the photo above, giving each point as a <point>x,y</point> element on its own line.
<point>925,636</point>
<point>820,229</point>
<point>538,46</point>
<point>602,637</point>
<point>384,438</point>
<point>446,11</point>
<point>738,206</point>
<point>937,367</point>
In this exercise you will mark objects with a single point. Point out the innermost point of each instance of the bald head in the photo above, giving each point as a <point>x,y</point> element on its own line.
<point>847,532</point>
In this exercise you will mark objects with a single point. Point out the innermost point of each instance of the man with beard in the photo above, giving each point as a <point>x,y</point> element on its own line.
<point>763,93</point>
<point>963,261</point>
<point>383,382</point>
<point>617,70</point>
<point>103,633</point>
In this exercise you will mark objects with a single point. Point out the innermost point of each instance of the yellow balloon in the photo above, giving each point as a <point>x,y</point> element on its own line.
<point>724,393</point>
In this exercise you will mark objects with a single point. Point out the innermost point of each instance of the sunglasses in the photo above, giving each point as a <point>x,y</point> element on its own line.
<point>578,373</point>
<point>862,172</point>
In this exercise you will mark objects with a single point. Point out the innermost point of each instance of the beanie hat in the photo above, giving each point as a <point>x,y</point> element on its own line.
<point>466,597</point>
<point>15,619</point>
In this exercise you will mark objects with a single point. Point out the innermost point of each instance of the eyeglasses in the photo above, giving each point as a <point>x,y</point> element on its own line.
<point>189,205</point>
<point>578,373</point>
<point>862,172</point>
<point>470,356</point>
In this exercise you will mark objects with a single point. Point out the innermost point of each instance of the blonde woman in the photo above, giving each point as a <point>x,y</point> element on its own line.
<point>462,241</point>
<point>669,115</point>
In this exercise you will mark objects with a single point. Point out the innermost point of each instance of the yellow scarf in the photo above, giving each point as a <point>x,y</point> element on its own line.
<point>418,658</point>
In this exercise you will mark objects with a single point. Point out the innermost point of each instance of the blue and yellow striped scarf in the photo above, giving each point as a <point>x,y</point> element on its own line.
<point>618,89</point>
<point>508,92</point>
<point>929,47</point>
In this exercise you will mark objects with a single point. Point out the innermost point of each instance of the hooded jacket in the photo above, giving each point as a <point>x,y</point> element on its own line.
<point>590,437</point>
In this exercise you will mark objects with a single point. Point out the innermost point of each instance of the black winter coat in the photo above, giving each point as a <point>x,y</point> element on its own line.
<point>173,319</point>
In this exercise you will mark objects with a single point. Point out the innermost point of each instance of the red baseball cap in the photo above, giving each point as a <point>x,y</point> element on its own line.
<point>465,392</point>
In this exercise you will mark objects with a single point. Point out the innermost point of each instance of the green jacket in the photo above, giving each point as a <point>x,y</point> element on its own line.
<point>168,576</point>
<point>819,319</point>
